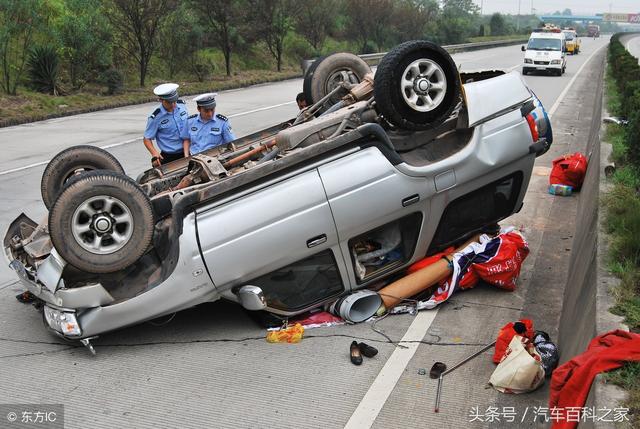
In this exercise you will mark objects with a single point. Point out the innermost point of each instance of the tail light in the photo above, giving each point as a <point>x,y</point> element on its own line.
<point>533,127</point>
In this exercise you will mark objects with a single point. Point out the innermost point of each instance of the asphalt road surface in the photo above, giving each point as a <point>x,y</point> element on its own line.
<point>210,366</point>
<point>632,43</point>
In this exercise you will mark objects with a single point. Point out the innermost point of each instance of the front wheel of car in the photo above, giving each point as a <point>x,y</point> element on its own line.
<point>417,85</point>
<point>71,163</point>
<point>102,222</point>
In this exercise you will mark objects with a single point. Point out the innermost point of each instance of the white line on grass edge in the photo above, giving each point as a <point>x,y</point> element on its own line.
<point>371,404</point>
<point>138,139</point>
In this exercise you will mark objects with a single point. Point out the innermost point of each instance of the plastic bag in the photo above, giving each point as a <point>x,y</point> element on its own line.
<point>506,334</point>
<point>569,169</point>
<point>520,370</point>
<point>291,334</point>
<point>502,268</point>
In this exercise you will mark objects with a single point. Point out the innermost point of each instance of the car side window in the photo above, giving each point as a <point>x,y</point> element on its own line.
<point>384,248</point>
<point>302,283</point>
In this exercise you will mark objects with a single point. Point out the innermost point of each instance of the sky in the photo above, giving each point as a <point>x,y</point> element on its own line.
<point>542,7</point>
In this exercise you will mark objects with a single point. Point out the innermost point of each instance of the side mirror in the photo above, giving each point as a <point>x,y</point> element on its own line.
<point>522,48</point>
<point>252,298</point>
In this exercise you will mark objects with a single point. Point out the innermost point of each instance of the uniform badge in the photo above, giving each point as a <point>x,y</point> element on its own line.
<point>164,122</point>
<point>194,128</point>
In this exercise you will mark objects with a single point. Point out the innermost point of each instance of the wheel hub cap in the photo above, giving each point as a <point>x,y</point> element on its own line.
<point>422,85</point>
<point>102,224</point>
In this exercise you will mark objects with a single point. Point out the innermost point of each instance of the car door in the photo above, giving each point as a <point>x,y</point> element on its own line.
<point>379,213</point>
<point>281,238</point>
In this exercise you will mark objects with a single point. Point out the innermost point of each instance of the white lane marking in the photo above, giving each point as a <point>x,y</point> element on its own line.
<point>109,146</point>
<point>568,87</point>
<point>367,411</point>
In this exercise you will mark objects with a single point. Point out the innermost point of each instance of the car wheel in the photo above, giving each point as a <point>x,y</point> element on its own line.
<point>417,85</point>
<point>102,222</point>
<point>328,72</point>
<point>70,163</point>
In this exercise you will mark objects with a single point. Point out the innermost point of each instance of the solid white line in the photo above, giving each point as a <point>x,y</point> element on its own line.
<point>367,411</point>
<point>568,87</point>
<point>109,146</point>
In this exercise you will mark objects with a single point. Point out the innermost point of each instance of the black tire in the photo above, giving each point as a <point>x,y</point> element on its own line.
<point>390,99</point>
<point>74,217</point>
<point>71,162</point>
<point>327,72</point>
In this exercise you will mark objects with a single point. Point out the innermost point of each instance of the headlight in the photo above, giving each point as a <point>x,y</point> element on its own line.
<point>62,322</point>
<point>555,61</point>
<point>528,61</point>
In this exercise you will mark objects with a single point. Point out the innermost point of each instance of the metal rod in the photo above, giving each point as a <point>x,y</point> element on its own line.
<point>456,366</point>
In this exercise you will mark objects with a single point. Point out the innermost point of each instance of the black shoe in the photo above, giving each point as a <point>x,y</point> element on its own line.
<point>367,350</point>
<point>26,297</point>
<point>356,356</point>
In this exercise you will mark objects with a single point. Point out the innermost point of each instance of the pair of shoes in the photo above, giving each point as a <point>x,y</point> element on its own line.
<point>357,350</point>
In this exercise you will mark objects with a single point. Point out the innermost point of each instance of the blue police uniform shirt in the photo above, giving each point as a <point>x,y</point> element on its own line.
<point>166,127</point>
<point>205,135</point>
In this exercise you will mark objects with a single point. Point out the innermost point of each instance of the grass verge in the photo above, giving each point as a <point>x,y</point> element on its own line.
<point>30,106</point>
<point>622,222</point>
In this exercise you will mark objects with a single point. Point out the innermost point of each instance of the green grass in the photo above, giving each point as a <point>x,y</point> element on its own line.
<point>30,106</point>
<point>622,222</point>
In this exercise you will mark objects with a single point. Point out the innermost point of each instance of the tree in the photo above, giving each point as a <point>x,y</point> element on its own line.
<point>457,21</point>
<point>19,20</point>
<point>411,17</point>
<point>271,21</point>
<point>84,34</point>
<point>567,12</point>
<point>138,22</point>
<point>316,20</point>
<point>223,18</point>
<point>369,20</point>
<point>179,47</point>
<point>498,25</point>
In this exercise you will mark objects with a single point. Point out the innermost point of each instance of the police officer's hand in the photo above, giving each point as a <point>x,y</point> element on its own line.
<point>156,160</point>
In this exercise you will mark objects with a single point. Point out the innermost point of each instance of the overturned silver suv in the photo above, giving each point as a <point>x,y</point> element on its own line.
<point>375,174</point>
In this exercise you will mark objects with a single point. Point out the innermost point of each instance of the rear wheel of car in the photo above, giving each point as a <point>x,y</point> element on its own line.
<point>102,222</point>
<point>417,85</point>
<point>328,72</point>
<point>73,162</point>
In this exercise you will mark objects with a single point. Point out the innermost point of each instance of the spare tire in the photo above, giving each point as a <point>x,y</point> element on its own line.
<point>326,73</point>
<point>71,162</point>
<point>102,222</point>
<point>417,85</point>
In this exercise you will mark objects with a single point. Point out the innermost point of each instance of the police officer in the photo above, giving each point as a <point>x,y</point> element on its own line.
<point>165,125</point>
<point>206,129</point>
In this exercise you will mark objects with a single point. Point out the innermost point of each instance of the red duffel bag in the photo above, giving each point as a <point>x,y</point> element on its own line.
<point>569,169</point>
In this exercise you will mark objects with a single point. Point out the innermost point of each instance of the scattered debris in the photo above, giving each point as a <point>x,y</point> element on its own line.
<point>570,170</point>
<point>288,334</point>
<point>453,368</point>
<point>615,120</point>
<point>520,370</point>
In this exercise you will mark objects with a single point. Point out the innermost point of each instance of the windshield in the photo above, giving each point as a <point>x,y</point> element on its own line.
<point>540,44</point>
<point>569,36</point>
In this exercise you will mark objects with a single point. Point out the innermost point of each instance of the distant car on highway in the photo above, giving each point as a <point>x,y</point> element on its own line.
<point>572,41</point>
<point>374,175</point>
<point>545,51</point>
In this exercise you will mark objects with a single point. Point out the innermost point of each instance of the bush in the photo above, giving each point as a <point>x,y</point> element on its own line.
<point>42,70</point>
<point>114,80</point>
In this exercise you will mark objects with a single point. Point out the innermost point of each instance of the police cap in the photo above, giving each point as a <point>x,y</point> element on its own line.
<point>208,100</point>
<point>167,91</point>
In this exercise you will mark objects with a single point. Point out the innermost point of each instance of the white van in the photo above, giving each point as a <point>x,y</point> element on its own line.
<point>545,51</point>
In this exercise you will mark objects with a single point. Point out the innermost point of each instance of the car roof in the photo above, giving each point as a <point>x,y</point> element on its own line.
<point>547,36</point>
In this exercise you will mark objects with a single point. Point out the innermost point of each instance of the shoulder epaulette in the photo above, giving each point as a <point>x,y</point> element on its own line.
<point>155,113</point>
<point>224,118</point>
<point>180,101</point>
<point>192,116</point>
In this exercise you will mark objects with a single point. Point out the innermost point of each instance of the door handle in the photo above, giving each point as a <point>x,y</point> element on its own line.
<point>410,200</point>
<point>312,242</point>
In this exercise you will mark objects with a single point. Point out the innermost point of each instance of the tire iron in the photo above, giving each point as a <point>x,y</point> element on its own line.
<point>456,366</point>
